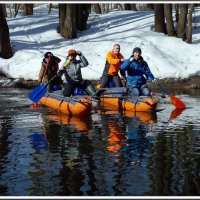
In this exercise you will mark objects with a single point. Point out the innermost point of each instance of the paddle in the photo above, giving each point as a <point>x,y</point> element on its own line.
<point>174,100</point>
<point>39,91</point>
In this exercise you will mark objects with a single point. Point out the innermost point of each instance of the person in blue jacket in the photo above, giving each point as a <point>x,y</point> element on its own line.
<point>137,74</point>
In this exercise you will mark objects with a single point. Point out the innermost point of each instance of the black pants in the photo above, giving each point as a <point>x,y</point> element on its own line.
<point>57,81</point>
<point>105,79</point>
<point>86,84</point>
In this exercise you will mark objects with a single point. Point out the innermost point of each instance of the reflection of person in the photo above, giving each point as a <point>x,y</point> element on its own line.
<point>129,138</point>
<point>116,135</point>
<point>48,70</point>
<point>136,69</point>
<point>113,61</point>
<point>72,76</point>
<point>137,142</point>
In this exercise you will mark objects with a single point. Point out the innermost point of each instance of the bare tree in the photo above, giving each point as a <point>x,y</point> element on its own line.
<point>82,13</point>
<point>28,9</point>
<point>177,12</point>
<point>50,6</point>
<point>4,10</point>
<point>67,18</point>
<point>181,30</point>
<point>106,8</point>
<point>127,6</point>
<point>17,6</point>
<point>169,19</point>
<point>149,7</point>
<point>159,18</point>
<point>133,7</point>
<point>189,37</point>
<point>97,8</point>
<point>5,47</point>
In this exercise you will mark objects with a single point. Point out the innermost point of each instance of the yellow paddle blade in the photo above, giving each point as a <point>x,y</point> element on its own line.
<point>177,102</point>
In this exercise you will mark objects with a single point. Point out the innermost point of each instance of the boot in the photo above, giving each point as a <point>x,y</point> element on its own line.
<point>91,90</point>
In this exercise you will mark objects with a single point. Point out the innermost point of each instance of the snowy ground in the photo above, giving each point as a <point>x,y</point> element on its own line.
<point>32,36</point>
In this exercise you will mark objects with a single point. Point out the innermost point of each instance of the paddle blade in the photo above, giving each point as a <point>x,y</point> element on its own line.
<point>35,105</point>
<point>37,93</point>
<point>177,102</point>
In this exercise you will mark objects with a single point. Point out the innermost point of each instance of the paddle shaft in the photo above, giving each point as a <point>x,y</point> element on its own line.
<point>174,100</point>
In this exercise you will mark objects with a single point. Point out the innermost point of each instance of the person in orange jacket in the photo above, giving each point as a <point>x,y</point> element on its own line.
<point>113,61</point>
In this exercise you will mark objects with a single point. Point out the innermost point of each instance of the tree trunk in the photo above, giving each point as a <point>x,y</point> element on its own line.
<point>149,7</point>
<point>82,13</point>
<point>97,8</point>
<point>5,47</point>
<point>181,31</point>
<point>4,10</point>
<point>189,38</point>
<point>127,6</point>
<point>177,12</point>
<point>50,5</point>
<point>133,7</point>
<point>17,9</point>
<point>115,6</point>
<point>67,20</point>
<point>159,18</point>
<point>28,9</point>
<point>120,6</point>
<point>106,8</point>
<point>169,19</point>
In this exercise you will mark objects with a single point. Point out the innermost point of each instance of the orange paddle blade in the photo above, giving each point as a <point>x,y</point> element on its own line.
<point>35,105</point>
<point>177,102</point>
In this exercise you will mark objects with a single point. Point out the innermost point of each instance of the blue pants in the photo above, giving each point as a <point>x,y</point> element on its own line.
<point>139,91</point>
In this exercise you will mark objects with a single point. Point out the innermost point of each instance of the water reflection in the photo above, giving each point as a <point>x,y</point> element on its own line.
<point>106,153</point>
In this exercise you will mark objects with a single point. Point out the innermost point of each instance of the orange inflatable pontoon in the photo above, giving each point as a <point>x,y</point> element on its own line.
<point>115,97</point>
<point>75,105</point>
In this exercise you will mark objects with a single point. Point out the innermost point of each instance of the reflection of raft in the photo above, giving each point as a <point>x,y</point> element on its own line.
<point>144,117</point>
<point>75,105</point>
<point>81,123</point>
<point>115,97</point>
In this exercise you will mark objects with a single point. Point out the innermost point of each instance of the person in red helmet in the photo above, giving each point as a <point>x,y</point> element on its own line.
<point>49,68</point>
<point>72,76</point>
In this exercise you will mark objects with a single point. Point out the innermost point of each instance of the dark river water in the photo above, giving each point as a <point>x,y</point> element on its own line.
<point>43,153</point>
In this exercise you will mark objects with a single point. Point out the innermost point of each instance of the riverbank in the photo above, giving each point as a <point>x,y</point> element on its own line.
<point>172,84</point>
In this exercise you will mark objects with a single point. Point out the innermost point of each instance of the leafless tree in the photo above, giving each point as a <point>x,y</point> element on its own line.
<point>5,47</point>
<point>189,35</point>
<point>149,7</point>
<point>28,9</point>
<point>127,6</point>
<point>82,14</point>
<point>181,30</point>
<point>67,18</point>
<point>50,5</point>
<point>97,8</point>
<point>159,18</point>
<point>17,6</point>
<point>169,19</point>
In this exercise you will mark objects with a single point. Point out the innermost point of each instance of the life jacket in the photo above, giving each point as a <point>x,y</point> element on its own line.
<point>113,63</point>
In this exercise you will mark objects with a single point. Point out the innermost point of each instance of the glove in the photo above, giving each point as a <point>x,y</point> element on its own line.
<point>70,58</point>
<point>79,53</point>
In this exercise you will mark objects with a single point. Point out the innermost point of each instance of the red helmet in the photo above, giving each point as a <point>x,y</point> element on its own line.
<point>71,52</point>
